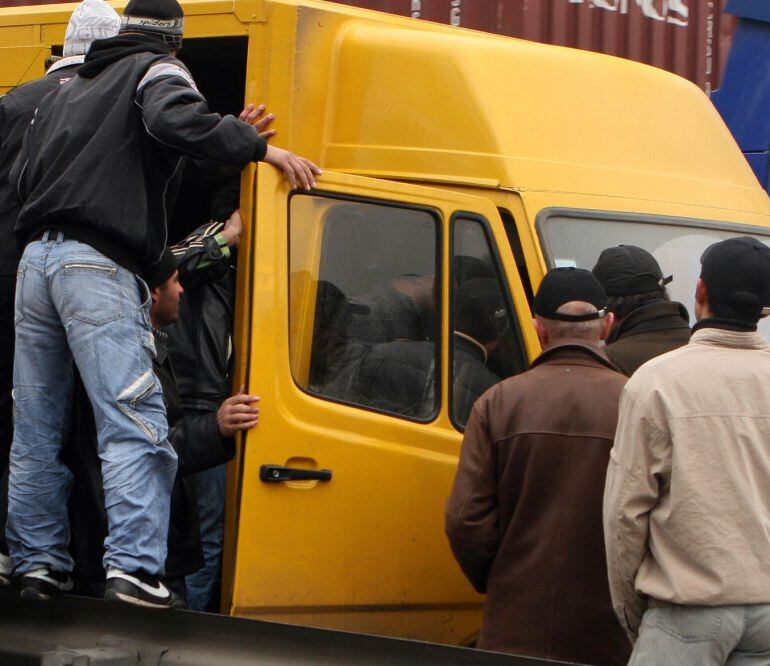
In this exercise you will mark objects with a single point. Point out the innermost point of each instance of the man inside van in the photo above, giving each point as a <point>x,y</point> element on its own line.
<point>92,19</point>
<point>399,376</point>
<point>96,174</point>
<point>686,505</point>
<point>647,322</point>
<point>524,515</point>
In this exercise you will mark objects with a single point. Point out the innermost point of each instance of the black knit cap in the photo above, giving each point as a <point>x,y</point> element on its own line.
<point>159,18</point>
<point>736,272</point>
<point>564,285</point>
<point>162,270</point>
<point>626,270</point>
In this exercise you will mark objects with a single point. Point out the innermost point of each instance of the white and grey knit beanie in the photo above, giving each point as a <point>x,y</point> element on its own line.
<point>92,19</point>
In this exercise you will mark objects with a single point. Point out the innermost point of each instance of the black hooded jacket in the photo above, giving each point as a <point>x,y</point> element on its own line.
<point>105,172</point>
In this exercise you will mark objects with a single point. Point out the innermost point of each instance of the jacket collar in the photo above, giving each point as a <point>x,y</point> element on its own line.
<point>105,52</point>
<point>161,346</point>
<point>654,316</point>
<point>69,61</point>
<point>574,352</point>
<point>723,337</point>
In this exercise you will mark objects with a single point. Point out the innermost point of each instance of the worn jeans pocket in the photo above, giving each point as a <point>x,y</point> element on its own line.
<point>690,624</point>
<point>142,403</point>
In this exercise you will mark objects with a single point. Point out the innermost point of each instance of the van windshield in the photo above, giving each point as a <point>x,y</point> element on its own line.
<point>577,239</point>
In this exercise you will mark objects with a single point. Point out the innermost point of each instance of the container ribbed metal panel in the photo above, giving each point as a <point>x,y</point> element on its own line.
<point>688,37</point>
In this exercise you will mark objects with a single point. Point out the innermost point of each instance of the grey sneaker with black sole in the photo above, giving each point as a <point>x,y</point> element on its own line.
<point>139,589</point>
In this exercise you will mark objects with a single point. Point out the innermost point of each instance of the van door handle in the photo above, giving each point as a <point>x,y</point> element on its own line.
<point>277,474</point>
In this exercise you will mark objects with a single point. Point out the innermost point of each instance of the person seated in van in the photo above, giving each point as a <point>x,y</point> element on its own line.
<point>647,322</point>
<point>399,377</point>
<point>200,441</point>
<point>405,307</point>
<point>401,309</point>
<point>524,517</point>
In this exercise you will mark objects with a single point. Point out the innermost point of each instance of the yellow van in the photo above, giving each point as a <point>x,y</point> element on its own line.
<point>444,151</point>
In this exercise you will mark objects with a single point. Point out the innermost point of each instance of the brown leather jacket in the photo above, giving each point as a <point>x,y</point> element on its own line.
<point>524,518</point>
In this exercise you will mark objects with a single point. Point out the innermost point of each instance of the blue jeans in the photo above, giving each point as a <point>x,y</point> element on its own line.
<point>72,302</point>
<point>203,585</point>
<point>704,636</point>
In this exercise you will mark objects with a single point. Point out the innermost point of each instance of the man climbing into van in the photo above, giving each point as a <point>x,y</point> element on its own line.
<point>96,174</point>
<point>92,19</point>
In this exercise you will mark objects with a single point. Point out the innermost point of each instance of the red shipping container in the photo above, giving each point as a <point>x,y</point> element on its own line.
<point>688,37</point>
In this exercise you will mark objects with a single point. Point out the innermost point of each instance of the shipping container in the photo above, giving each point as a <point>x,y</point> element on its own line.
<point>688,37</point>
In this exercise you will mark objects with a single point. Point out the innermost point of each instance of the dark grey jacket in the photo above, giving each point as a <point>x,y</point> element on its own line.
<point>649,331</point>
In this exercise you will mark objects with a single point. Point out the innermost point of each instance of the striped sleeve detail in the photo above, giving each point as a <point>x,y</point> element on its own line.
<point>166,69</point>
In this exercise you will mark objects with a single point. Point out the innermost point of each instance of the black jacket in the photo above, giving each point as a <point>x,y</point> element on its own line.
<point>649,331</point>
<point>200,342</point>
<point>105,171</point>
<point>17,108</point>
<point>198,445</point>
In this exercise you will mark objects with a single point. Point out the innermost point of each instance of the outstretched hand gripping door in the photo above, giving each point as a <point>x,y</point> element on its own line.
<point>343,483</point>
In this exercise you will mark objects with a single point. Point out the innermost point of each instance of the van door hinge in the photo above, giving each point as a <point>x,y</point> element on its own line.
<point>250,11</point>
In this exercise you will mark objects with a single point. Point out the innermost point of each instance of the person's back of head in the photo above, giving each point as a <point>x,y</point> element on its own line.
<point>479,311</point>
<point>734,281</point>
<point>162,20</point>
<point>91,20</point>
<point>631,277</point>
<point>571,304</point>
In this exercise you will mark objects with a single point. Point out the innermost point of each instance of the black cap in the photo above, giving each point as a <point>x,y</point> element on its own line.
<point>736,272</point>
<point>626,270</point>
<point>162,270</point>
<point>159,18</point>
<point>479,309</point>
<point>564,285</point>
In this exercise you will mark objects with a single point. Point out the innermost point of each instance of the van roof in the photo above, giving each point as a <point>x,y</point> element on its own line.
<point>382,95</point>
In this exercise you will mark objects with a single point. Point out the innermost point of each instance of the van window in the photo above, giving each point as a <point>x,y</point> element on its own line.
<point>576,238</point>
<point>364,326</point>
<point>486,345</point>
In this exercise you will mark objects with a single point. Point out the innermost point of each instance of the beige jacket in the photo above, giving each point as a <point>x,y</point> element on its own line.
<point>687,498</point>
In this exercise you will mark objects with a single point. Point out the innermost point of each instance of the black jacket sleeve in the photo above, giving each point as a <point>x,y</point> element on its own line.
<point>199,256</point>
<point>176,115</point>
<point>198,444</point>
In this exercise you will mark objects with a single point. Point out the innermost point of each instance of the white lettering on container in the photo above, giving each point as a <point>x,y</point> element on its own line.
<point>674,12</point>
<point>455,13</point>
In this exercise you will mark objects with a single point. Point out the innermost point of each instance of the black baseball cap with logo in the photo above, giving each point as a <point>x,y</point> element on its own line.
<point>627,270</point>
<point>736,272</point>
<point>564,285</point>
